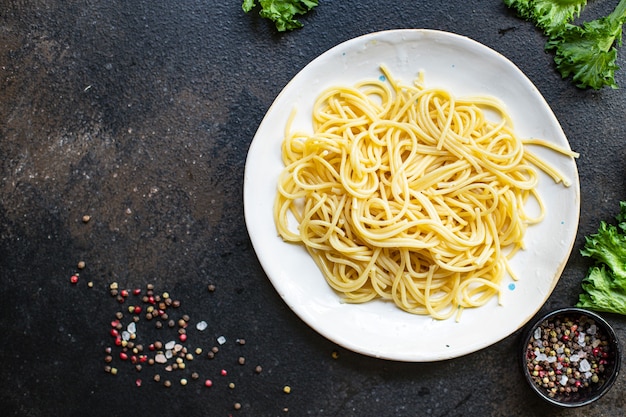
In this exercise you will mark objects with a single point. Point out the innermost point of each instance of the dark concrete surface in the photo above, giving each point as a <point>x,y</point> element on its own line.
<point>139,114</point>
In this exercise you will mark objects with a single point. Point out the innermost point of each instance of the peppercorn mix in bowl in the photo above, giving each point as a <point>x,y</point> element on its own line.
<point>570,357</point>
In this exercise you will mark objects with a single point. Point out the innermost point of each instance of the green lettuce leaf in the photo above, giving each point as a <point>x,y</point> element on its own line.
<point>604,286</point>
<point>602,292</point>
<point>281,12</point>
<point>548,15</point>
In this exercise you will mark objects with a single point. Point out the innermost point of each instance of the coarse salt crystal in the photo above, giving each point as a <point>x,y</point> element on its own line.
<point>202,325</point>
<point>170,345</point>
<point>584,366</point>
<point>592,329</point>
<point>221,340</point>
<point>564,380</point>
<point>537,334</point>
<point>160,358</point>
<point>132,328</point>
<point>581,339</point>
<point>551,359</point>
<point>125,335</point>
<point>574,358</point>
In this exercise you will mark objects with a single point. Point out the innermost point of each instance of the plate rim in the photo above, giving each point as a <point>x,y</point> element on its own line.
<point>248,205</point>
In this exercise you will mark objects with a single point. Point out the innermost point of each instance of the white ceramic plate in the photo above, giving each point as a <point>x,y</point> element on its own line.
<point>378,328</point>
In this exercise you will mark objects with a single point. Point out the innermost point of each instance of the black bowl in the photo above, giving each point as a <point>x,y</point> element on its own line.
<point>593,359</point>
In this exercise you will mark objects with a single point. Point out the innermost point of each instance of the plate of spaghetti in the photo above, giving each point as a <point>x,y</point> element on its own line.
<point>411,196</point>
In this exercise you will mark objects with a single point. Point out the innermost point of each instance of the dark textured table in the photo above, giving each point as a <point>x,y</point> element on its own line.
<point>139,114</point>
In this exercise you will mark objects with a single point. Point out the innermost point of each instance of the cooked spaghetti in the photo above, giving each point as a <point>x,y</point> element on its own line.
<point>410,194</point>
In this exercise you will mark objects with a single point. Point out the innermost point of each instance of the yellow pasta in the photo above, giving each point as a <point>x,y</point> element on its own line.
<point>409,194</point>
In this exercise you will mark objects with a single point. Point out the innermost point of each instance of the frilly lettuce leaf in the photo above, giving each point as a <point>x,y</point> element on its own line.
<point>281,12</point>
<point>604,287</point>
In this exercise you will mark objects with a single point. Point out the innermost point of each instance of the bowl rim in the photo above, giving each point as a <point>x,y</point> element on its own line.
<point>614,340</point>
